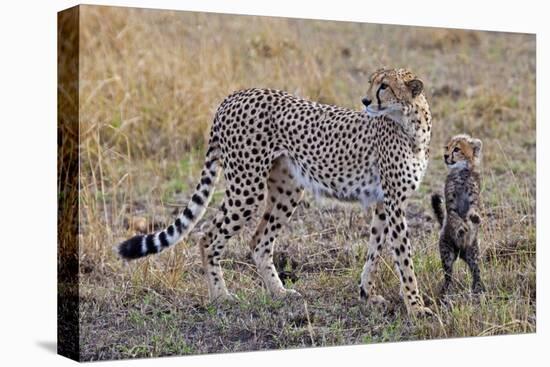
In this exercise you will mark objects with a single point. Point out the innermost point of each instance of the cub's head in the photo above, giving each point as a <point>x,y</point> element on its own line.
<point>462,150</point>
<point>393,90</point>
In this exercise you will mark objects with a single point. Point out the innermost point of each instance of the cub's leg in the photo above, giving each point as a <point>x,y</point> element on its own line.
<point>378,232</point>
<point>283,195</point>
<point>448,254</point>
<point>474,217</point>
<point>459,228</point>
<point>398,239</point>
<point>471,256</point>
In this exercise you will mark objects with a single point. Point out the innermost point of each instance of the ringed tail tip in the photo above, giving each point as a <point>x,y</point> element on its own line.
<point>131,248</point>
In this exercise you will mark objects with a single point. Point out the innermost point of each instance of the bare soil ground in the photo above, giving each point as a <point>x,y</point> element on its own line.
<point>150,83</point>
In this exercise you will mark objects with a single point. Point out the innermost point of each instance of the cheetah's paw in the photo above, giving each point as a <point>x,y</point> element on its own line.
<point>225,298</point>
<point>420,311</point>
<point>287,293</point>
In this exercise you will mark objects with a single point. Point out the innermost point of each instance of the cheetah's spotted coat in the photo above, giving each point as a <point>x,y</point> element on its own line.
<point>271,145</point>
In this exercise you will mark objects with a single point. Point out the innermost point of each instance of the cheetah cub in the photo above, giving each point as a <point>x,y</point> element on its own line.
<point>460,222</point>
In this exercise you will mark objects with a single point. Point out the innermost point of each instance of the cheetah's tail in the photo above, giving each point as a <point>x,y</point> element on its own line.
<point>437,205</point>
<point>143,245</point>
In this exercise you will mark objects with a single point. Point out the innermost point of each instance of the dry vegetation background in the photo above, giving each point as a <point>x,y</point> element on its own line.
<point>150,83</point>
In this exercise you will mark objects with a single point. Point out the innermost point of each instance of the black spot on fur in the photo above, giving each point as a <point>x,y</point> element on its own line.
<point>163,239</point>
<point>197,199</point>
<point>150,242</point>
<point>188,214</point>
<point>178,225</point>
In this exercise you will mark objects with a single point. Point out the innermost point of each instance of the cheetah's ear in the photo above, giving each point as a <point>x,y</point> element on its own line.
<point>416,86</point>
<point>477,144</point>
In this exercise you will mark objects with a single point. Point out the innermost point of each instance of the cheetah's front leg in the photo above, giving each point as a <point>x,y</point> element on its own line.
<point>377,240</point>
<point>398,238</point>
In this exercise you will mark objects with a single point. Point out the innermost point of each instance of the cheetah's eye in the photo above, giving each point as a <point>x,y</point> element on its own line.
<point>456,150</point>
<point>383,86</point>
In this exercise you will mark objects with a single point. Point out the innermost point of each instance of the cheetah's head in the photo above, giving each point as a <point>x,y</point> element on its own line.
<point>393,92</point>
<point>462,150</point>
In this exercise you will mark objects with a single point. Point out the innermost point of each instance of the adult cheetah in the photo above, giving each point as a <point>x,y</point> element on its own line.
<point>271,145</point>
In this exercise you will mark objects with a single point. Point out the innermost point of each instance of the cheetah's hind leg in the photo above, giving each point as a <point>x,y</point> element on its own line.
<point>283,195</point>
<point>233,215</point>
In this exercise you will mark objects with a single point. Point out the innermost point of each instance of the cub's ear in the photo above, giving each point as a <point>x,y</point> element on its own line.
<point>477,144</point>
<point>416,86</point>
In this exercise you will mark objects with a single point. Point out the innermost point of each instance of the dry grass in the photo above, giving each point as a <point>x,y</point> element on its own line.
<point>150,83</point>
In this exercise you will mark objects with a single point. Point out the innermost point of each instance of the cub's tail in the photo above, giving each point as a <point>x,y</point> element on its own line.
<point>143,245</point>
<point>437,205</point>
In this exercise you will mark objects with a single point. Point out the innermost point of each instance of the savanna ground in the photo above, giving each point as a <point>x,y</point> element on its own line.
<point>150,83</point>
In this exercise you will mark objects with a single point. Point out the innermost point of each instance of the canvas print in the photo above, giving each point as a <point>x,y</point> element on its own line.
<point>242,183</point>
